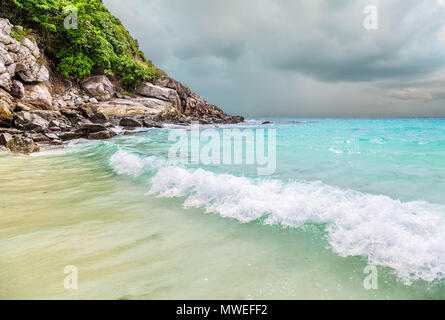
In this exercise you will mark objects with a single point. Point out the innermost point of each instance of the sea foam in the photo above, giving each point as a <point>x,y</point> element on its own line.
<point>405,236</point>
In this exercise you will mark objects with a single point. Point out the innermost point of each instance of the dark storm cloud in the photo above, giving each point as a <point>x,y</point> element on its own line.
<point>296,58</point>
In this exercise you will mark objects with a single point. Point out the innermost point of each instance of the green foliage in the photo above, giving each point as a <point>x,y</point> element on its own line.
<point>78,64</point>
<point>99,44</point>
<point>19,33</point>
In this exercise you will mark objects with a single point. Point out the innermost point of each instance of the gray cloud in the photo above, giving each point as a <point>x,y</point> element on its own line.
<point>297,58</point>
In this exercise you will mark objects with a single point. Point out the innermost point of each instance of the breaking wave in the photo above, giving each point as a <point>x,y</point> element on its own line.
<point>405,236</point>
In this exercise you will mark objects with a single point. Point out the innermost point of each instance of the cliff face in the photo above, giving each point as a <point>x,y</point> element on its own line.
<point>38,105</point>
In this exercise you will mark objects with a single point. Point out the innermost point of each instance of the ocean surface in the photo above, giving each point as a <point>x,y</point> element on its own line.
<point>345,195</point>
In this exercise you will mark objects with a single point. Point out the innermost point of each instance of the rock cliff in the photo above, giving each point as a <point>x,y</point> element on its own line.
<point>39,106</point>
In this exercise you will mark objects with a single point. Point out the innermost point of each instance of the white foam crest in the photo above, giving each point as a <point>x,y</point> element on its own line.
<point>405,236</point>
<point>126,163</point>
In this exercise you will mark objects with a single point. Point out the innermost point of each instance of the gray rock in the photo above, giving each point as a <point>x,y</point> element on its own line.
<point>5,139</point>
<point>51,136</point>
<point>33,71</point>
<point>54,125</point>
<point>88,111</point>
<point>70,135</point>
<point>23,145</point>
<point>6,56</point>
<point>78,101</point>
<point>101,135</point>
<point>147,123</point>
<point>5,80</point>
<point>151,91</point>
<point>5,26</point>
<point>100,87</point>
<point>31,121</point>
<point>11,69</point>
<point>62,103</point>
<point>128,122</point>
<point>89,128</point>
<point>99,118</point>
<point>39,137</point>
<point>5,39</point>
<point>17,89</point>
<point>137,106</point>
<point>14,46</point>
<point>38,95</point>
<point>11,131</point>
<point>32,46</point>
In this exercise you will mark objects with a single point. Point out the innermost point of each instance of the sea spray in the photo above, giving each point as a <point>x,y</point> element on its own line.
<point>405,236</point>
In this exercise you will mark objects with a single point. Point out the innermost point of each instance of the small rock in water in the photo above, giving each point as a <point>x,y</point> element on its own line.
<point>88,128</point>
<point>151,124</point>
<point>23,145</point>
<point>102,135</point>
<point>128,122</point>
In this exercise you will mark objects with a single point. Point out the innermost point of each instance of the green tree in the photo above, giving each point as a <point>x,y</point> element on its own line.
<point>99,44</point>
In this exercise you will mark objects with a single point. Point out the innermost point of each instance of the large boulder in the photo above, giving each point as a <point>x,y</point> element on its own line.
<point>149,123</point>
<point>152,91</point>
<point>100,118</point>
<point>38,95</point>
<point>23,145</point>
<point>129,122</point>
<point>34,73</point>
<point>31,121</point>
<point>101,135</point>
<point>100,87</point>
<point>88,128</point>
<point>137,106</point>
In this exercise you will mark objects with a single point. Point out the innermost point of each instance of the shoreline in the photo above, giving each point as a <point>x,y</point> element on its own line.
<point>81,198</point>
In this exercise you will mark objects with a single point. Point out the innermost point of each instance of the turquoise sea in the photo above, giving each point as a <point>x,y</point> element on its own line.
<point>346,194</point>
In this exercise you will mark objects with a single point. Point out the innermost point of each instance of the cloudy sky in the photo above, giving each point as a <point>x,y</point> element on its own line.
<point>298,58</point>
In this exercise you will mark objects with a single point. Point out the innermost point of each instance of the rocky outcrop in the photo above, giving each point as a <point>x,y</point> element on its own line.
<point>131,107</point>
<point>100,87</point>
<point>41,107</point>
<point>165,94</point>
<point>23,145</point>
<point>19,58</point>
<point>38,95</point>
<point>193,105</point>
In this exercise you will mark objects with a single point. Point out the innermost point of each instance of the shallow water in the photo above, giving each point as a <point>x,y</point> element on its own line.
<point>346,193</point>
